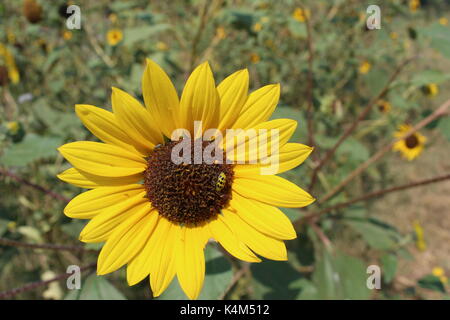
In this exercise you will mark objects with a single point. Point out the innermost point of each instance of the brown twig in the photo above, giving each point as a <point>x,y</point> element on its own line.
<point>58,247</point>
<point>48,192</point>
<point>436,114</point>
<point>371,195</point>
<point>355,123</point>
<point>238,275</point>
<point>37,284</point>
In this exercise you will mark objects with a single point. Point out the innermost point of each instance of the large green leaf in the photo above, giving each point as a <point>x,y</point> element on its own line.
<point>276,280</point>
<point>340,276</point>
<point>135,34</point>
<point>95,288</point>
<point>377,234</point>
<point>389,263</point>
<point>33,147</point>
<point>218,277</point>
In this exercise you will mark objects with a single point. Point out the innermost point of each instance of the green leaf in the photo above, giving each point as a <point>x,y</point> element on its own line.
<point>325,278</point>
<point>440,38</point>
<point>3,226</point>
<point>276,280</point>
<point>95,288</point>
<point>136,34</point>
<point>389,263</point>
<point>377,234</point>
<point>340,276</point>
<point>32,148</point>
<point>431,282</point>
<point>444,126</point>
<point>218,277</point>
<point>354,150</point>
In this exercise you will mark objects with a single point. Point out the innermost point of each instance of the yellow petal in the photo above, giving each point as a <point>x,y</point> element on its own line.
<point>102,159</point>
<point>259,142</point>
<point>290,156</point>
<point>88,204</point>
<point>160,97</point>
<point>263,245</point>
<point>85,180</point>
<point>135,120</point>
<point>103,224</point>
<point>265,218</point>
<point>104,126</point>
<point>272,190</point>
<point>233,94</point>
<point>162,263</point>
<point>127,240</point>
<point>228,240</point>
<point>190,259</point>
<point>258,107</point>
<point>139,267</point>
<point>200,100</point>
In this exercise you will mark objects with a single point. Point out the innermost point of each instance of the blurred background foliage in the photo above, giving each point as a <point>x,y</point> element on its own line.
<point>45,69</point>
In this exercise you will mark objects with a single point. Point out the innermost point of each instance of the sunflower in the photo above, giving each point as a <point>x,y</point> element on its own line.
<point>114,36</point>
<point>384,106</point>
<point>156,215</point>
<point>412,146</point>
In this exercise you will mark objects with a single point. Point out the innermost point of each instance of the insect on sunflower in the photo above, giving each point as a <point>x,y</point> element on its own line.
<point>155,214</point>
<point>412,146</point>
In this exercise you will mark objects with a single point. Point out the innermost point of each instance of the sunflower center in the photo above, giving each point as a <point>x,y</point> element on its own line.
<point>187,193</point>
<point>412,141</point>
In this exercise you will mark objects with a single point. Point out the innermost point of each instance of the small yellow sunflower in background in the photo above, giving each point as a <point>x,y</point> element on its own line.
<point>440,273</point>
<point>365,67</point>
<point>384,106</point>
<point>431,89</point>
<point>301,15</point>
<point>114,36</point>
<point>254,57</point>
<point>156,216</point>
<point>421,245</point>
<point>410,147</point>
<point>393,35</point>
<point>414,5</point>
<point>221,33</point>
<point>257,27</point>
<point>67,35</point>
<point>9,70</point>
<point>443,21</point>
<point>162,46</point>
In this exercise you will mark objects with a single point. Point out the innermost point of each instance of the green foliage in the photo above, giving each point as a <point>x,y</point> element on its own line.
<point>329,258</point>
<point>95,288</point>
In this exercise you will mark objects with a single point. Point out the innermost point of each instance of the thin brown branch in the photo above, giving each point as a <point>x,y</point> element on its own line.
<point>237,276</point>
<point>371,195</point>
<point>57,247</point>
<point>48,192</point>
<point>34,285</point>
<point>355,123</point>
<point>388,147</point>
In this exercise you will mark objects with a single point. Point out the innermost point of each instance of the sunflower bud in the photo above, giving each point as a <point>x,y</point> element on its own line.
<point>32,11</point>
